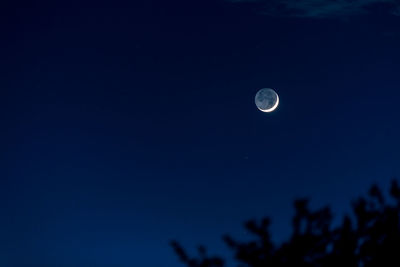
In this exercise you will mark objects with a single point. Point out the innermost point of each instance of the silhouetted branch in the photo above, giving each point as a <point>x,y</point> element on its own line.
<point>372,239</point>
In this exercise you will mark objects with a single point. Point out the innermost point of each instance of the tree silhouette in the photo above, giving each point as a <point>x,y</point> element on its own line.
<point>371,237</point>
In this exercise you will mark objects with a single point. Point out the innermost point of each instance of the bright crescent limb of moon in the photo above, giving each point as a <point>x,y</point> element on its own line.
<point>274,107</point>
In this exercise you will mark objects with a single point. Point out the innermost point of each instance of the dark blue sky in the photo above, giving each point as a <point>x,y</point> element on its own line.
<point>125,125</point>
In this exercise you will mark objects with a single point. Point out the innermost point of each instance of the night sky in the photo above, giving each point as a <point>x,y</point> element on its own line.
<point>126,124</point>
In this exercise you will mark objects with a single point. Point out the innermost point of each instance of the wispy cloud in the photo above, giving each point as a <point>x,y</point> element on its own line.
<point>323,8</point>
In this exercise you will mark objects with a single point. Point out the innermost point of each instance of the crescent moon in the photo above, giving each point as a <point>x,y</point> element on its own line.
<point>272,108</point>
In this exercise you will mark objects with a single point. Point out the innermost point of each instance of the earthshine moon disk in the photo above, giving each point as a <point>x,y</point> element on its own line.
<point>267,100</point>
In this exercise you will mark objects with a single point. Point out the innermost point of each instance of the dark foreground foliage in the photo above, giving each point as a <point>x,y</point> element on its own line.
<point>369,238</point>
